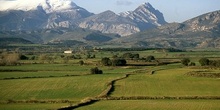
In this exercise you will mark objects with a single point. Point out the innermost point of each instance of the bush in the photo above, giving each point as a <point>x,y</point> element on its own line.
<point>119,62</point>
<point>10,59</point>
<point>192,64</point>
<point>215,63</point>
<point>204,61</point>
<point>185,61</point>
<point>96,71</point>
<point>81,62</point>
<point>150,58</point>
<point>106,61</point>
<point>23,57</point>
<point>130,56</point>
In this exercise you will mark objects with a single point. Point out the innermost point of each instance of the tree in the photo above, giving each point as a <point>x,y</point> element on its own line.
<point>136,56</point>
<point>10,59</point>
<point>42,58</point>
<point>130,56</point>
<point>185,61</point>
<point>81,62</point>
<point>127,55</point>
<point>192,64</point>
<point>215,63</point>
<point>150,58</point>
<point>204,61</point>
<point>66,59</point>
<point>115,56</point>
<point>119,62</point>
<point>106,61</point>
<point>96,71</point>
<point>23,57</point>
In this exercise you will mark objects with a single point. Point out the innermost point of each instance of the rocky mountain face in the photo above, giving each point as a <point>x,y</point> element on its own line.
<point>200,32</point>
<point>43,14</point>
<point>126,23</point>
<point>145,16</point>
<point>109,22</point>
<point>51,14</point>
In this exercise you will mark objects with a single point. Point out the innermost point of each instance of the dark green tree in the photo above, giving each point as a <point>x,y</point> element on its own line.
<point>23,57</point>
<point>136,56</point>
<point>185,61</point>
<point>127,55</point>
<point>96,70</point>
<point>81,62</point>
<point>204,61</point>
<point>119,62</point>
<point>150,58</point>
<point>192,64</point>
<point>106,61</point>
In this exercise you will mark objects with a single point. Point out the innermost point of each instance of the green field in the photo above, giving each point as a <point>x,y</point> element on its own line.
<point>31,106</point>
<point>155,105</point>
<point>172,82</point>
<point>51,86</point>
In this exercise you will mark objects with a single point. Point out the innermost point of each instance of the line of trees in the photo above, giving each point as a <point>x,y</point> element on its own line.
<point>114,62</point>
<point>207,62</point>
<point>202,61</point>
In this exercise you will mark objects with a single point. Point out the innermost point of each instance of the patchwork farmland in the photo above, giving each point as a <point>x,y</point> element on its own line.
<point>138,85</point>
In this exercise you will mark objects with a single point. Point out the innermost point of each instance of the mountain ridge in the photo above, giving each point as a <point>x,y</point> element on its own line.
<point>69,15</point>
<point>200,32</point>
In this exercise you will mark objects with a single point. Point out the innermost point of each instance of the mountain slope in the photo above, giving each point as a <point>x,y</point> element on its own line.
<point>52,14</point>
<point>42,14</point>
<point>61,34</point>
<point>109,22</point>
<point>145,16</point>
<point>127,23</point>
<point>200,32</point>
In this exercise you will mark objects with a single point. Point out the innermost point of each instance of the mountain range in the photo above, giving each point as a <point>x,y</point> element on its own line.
<point>51,14</point>
<point>49,21</point>
<point>199,32</point>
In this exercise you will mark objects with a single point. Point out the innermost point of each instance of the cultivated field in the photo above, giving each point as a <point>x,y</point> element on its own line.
<point>139,86</point>
<point>155,105</point>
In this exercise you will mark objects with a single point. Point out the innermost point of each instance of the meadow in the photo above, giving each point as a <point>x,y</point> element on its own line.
<point>39,86</point>
<point>154,105</point>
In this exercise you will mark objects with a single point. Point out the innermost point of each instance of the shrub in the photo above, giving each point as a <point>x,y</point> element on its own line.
<point>106,61</point>
<point>204,61</point>
<point>119,62</point>
<point>150,58</point>
<point>23,57</point>
<point>81,62</point>
<point>96,71</point>
<point>130,56</point>
<point>11,59</point>
<point>185,61</point>
<point>192,64</point>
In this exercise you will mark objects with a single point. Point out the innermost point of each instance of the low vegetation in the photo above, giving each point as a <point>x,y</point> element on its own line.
<point>130,77</point>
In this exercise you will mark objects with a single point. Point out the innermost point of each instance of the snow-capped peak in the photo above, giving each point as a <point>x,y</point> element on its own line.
<point>47,5</point>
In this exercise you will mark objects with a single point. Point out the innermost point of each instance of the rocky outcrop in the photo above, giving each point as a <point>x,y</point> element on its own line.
<point>127,23</point>
<point>109,22</point>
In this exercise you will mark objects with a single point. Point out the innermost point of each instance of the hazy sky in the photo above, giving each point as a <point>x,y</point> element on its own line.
<point>173,10</point>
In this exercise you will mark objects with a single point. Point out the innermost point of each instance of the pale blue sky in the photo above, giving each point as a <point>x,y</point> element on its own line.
<point>173,10</point>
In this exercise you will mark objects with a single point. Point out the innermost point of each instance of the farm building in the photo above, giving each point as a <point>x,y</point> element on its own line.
<point>68,51</point>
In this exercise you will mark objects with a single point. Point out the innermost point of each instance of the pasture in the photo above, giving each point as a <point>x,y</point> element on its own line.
<point>154,105</point>
<point>170,82</point>
<point>52,86</point>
